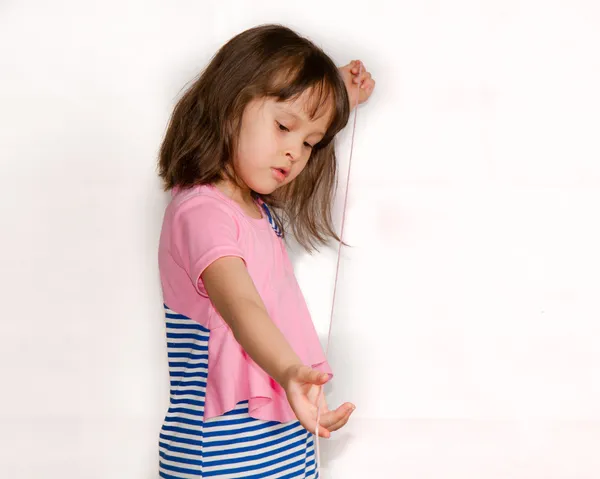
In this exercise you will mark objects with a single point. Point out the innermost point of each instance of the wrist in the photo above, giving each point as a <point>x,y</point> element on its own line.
<point>287,373</point>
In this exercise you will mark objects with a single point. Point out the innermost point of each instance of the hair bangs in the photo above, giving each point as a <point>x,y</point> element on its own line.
<point>327,94</point>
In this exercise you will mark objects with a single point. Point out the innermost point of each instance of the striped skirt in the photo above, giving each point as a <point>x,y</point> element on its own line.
<point>234,445</point>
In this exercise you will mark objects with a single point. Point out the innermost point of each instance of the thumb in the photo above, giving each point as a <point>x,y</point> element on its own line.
<point>312,376</point>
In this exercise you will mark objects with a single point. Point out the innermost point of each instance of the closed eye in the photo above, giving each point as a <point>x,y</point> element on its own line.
<point>284,128</point>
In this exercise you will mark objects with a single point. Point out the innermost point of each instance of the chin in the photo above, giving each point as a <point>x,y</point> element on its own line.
<point>264,185</point>
<point>265,189</point>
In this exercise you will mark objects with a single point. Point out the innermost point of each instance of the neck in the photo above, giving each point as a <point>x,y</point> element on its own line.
<point>235,192</point>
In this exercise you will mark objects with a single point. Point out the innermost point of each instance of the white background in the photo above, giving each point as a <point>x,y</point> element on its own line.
<point>467,322</point>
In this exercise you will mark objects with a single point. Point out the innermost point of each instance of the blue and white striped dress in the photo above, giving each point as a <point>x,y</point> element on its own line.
<point>234,445</point>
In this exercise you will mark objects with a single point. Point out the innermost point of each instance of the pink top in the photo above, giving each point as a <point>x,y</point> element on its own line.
<point>201,224</point>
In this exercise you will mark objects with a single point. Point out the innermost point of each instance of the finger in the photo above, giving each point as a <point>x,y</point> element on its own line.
<point>368,85</point>
<point>357,66</point>
<point>306,414</point>
<point>342,422</point>
<point>362,78</point>
<point>312,427</point>
<point>359,74</point>
<point>313,376</point>
<point>333,417</point>
<point>313,394</point>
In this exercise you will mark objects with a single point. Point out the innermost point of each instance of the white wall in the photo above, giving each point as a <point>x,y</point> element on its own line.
<point>467,322</point>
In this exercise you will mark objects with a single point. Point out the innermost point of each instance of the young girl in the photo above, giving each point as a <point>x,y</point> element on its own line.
<point>248,152</point>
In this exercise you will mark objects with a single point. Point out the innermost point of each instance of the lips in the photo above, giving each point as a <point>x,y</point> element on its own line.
<point>284,171</point>
<point>280,174</point>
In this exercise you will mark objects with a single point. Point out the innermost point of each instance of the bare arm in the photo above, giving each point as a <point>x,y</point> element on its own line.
<point>235,297</point>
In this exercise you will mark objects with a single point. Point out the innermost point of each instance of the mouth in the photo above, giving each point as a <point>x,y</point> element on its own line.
<point>284,171</point>
<point>280,174</point>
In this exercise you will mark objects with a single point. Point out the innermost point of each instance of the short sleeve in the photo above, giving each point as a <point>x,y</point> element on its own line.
<point>204,230</point>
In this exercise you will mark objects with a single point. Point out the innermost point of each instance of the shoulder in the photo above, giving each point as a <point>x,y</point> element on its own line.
<point>201,202</point>
<point>203,196</point>
<point>199,213</point>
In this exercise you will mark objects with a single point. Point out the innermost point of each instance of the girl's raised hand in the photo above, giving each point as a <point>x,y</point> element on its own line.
<point>351,76</point>
<point>302,385</point>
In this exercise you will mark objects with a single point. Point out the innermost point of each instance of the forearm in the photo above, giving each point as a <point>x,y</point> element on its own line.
<point>263,341</point>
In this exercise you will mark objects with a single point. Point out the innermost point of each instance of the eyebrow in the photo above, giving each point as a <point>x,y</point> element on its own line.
<point>292,114</point>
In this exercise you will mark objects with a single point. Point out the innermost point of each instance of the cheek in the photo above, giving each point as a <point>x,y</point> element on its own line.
<point>262,140</point>
<point>272,139</point>
<point>251,145</point>
<point>298,168</point>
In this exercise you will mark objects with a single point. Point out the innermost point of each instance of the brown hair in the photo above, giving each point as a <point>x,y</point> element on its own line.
<point>264,61</point>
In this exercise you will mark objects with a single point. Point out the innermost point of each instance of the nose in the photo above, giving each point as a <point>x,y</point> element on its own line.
<point>293,152</point>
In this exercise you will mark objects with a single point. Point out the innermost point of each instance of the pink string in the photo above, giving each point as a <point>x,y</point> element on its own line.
<point>337,270</point>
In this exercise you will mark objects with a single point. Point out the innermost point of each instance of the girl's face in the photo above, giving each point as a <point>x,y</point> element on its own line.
<point>275,142</point>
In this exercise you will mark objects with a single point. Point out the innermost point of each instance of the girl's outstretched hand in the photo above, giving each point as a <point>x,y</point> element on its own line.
<point>351,76</point>
<point>302,386</point>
